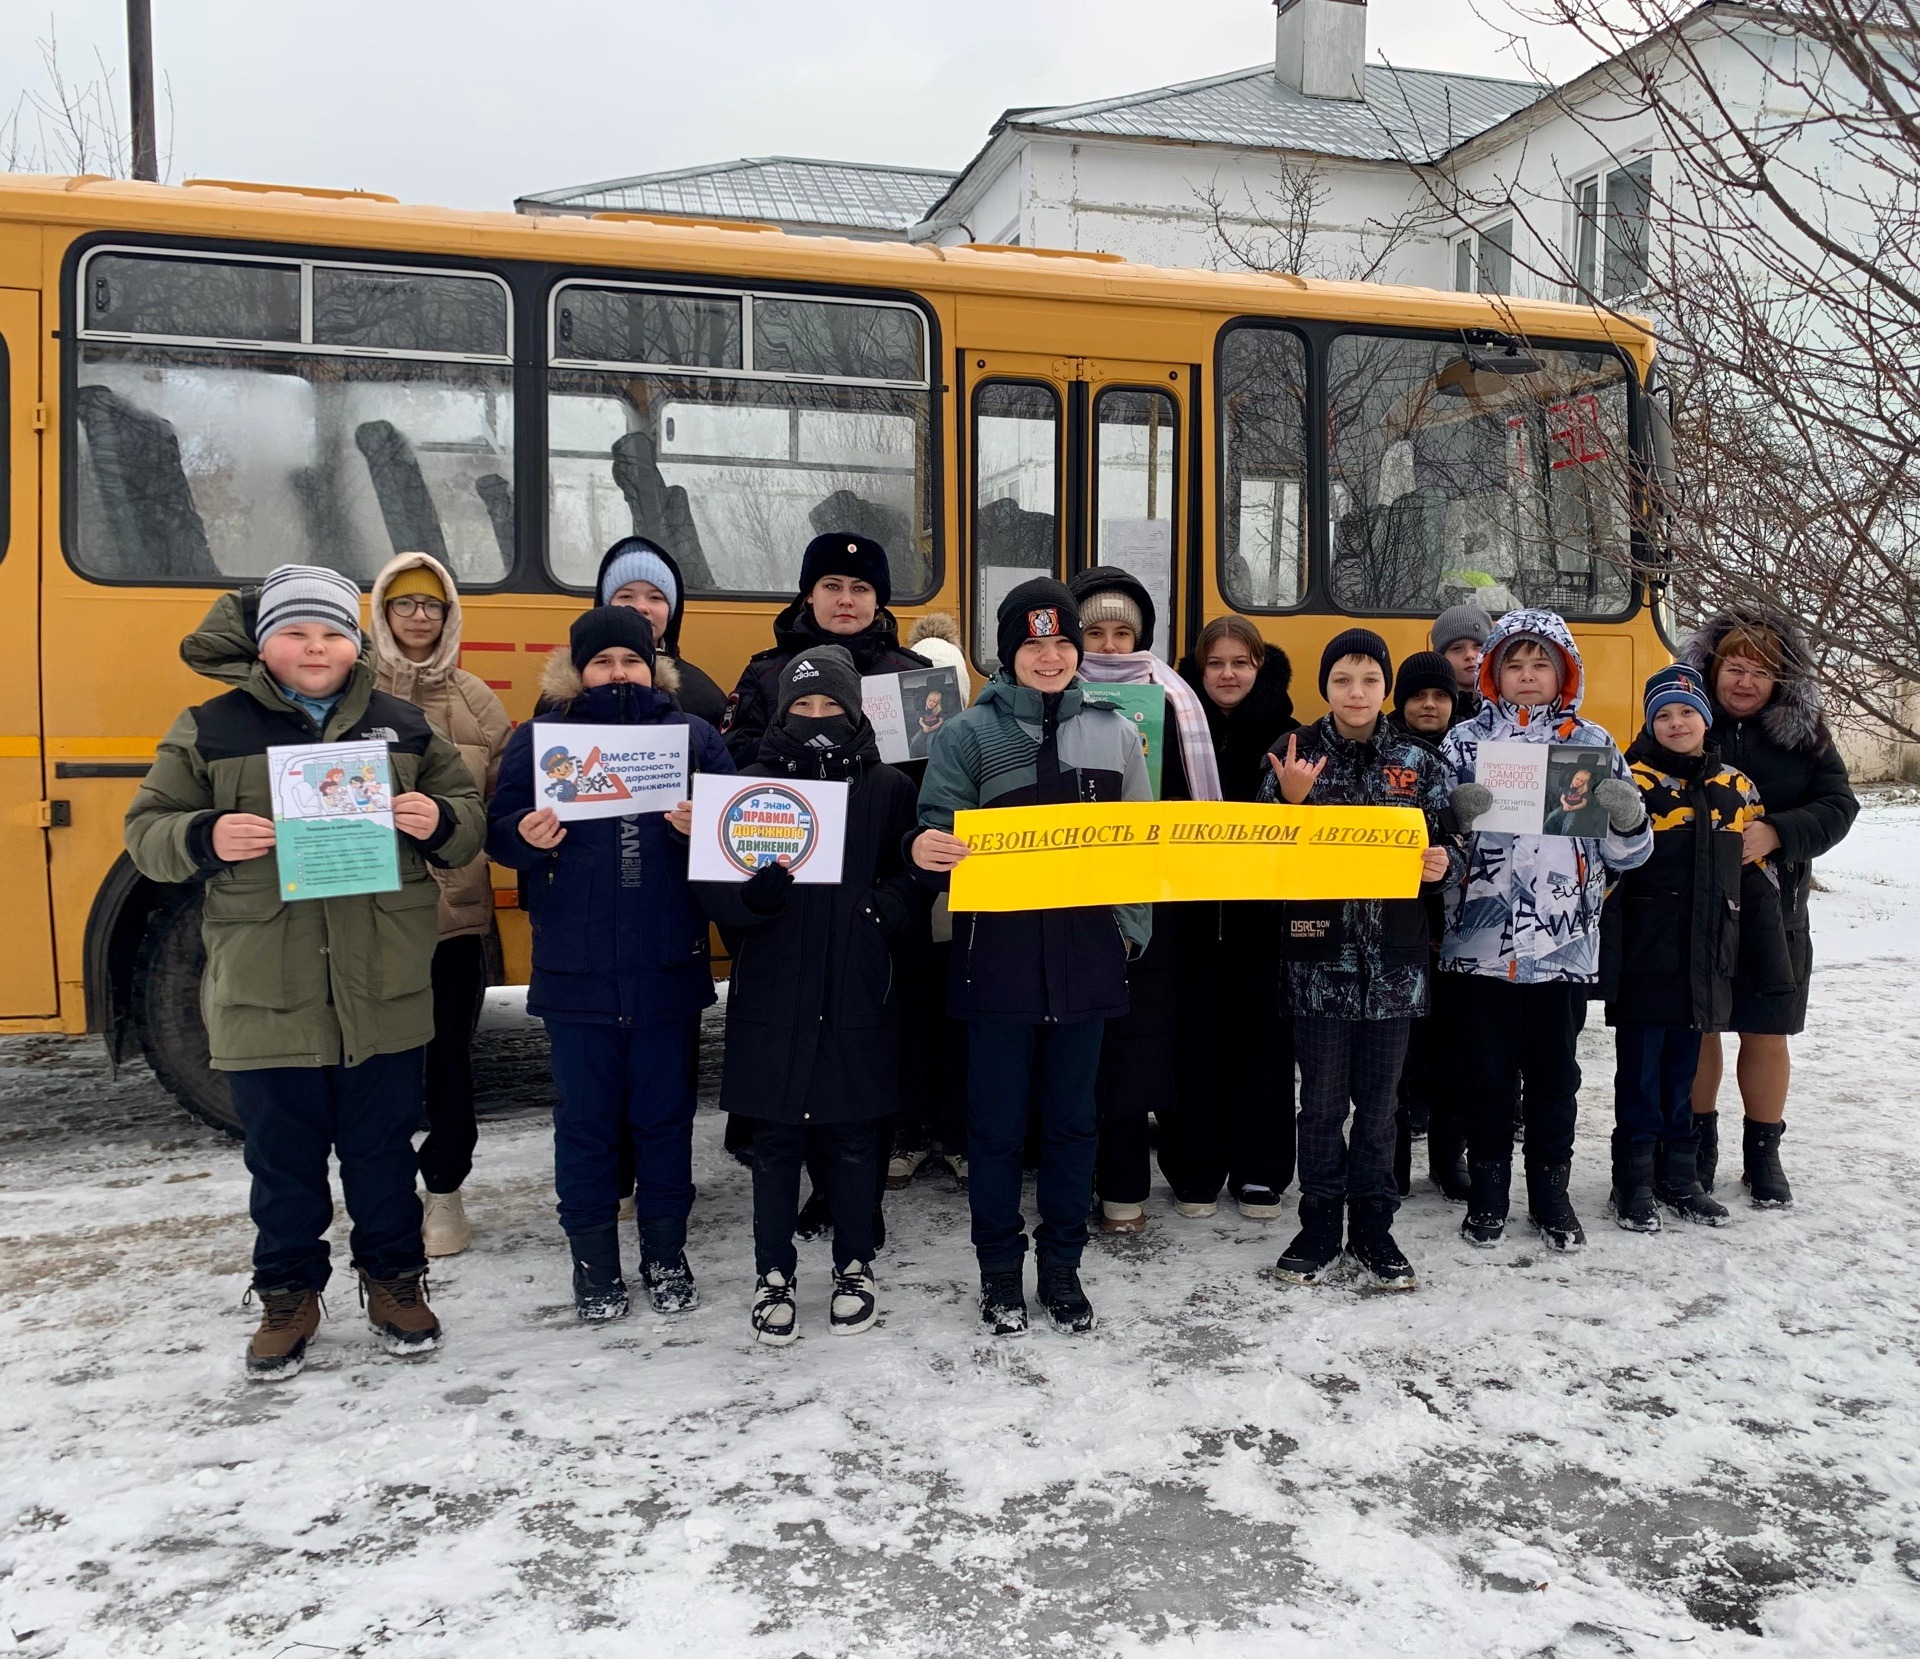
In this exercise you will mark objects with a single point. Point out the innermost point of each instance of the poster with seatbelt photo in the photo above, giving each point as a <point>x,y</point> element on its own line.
<point>908,708</point>
<point>1542,788</point>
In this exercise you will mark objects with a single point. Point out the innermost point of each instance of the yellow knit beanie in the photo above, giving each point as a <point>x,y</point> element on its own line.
<point>416,580</point>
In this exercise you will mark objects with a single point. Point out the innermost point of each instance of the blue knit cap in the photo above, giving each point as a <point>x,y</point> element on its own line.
<point>638,564</point>
<point>1678,684</point>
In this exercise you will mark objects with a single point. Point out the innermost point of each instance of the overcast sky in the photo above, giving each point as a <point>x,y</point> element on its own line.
<point>471,104</point>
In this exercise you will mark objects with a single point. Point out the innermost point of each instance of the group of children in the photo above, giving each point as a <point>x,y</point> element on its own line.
<point>322,1011</point>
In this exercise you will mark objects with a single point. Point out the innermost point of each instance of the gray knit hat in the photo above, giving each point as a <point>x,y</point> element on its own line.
<point>1458,623</point>
<point>307,593</point>
<point>825,669</point>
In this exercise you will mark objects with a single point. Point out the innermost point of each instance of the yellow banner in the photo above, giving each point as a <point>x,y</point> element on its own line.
<point>1150,852</point>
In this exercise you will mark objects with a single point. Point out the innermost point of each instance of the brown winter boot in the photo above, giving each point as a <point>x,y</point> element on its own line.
<point>288,1318</point>
<point>398,1312</point>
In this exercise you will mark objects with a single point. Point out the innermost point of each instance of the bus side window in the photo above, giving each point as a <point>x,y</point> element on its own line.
<point>235,414</point>
<point>1263,521</point>
<point>1016,497</point>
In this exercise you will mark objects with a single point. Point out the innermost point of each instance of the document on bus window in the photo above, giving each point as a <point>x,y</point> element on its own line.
<point>741,823</point>
<point>584,771</point>
<point>333,828</point>
<point>1542,788</point>
<point>907,709</point>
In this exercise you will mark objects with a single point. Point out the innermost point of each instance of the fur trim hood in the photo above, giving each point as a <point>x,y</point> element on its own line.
<point>560,681</point>
<point>1795,718</point>
<point>388,658</point>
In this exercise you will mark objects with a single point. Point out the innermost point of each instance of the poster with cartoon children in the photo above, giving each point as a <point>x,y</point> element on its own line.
<point>333,819</point>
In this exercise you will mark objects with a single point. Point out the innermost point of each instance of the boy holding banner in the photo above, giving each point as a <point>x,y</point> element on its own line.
<point>319,1010</point>
<point>619,960</point>
<point>1035,986</point>
<point>1355,970</point>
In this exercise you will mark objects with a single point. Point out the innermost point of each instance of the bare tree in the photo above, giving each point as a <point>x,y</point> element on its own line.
<point>68,126</point>
<point>1283,227</point>
<point>1775,243</point>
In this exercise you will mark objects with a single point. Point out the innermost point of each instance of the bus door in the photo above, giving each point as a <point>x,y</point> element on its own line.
<point>27,989</point>
<point>1076,461</point>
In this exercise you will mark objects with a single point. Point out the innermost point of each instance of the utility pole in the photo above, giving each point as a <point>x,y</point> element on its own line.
<point>146,150</point>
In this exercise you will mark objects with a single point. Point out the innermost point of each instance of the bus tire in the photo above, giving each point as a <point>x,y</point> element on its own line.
<point>166,1012</point>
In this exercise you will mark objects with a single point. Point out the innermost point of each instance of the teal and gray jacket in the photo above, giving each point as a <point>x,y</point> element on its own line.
<point>1018,747</point>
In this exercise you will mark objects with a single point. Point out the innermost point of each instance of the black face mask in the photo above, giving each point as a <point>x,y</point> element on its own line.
<point>832,731</point>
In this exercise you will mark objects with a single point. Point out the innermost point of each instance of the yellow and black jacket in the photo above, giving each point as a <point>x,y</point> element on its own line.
<point>1680,929</point>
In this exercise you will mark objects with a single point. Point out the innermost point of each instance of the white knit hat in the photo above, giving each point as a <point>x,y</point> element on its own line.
<point>307,593</point>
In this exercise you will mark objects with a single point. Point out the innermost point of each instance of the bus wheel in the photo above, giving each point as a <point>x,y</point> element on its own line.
<point>166,1012</point>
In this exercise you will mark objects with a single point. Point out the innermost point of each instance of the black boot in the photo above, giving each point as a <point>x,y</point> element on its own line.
<point>1631,1201</point>
<point>1003,1302</point>
<point>1706,1145</point>
<point>1447,1158</point>
<point>663,1265</point>
<point>1679,1187</point>
<point>1486,1220</point>
<point>1549,1208</point>
<point>1316,1247</point>
<point>599,1292</point>
<point>1060,1294</point>
<point>1370,1243</point>
<point>1763,1177</point>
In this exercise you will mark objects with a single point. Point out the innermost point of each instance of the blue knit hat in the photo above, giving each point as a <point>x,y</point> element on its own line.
<point>636,560</point>
<point>1678,684</point>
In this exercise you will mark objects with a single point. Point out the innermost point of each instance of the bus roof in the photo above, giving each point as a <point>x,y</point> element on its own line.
<point>660,243</point>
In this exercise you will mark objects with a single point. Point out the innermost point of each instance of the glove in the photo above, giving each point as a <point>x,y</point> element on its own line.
<point>1626,812</point>
<point>1470,801</point>
<point>765,891</point>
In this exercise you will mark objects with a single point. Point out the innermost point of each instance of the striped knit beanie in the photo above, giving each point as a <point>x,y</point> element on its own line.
<point>307,593</point>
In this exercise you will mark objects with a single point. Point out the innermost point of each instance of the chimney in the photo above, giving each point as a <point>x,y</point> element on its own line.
<point>1320,47</point>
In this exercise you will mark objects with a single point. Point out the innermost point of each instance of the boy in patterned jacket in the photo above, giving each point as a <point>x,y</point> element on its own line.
<point>1355,970</point>
<point>1526,934</point>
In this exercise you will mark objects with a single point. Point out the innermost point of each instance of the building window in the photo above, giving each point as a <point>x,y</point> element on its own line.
<point>1610,214</point>
<point>1483,260</point>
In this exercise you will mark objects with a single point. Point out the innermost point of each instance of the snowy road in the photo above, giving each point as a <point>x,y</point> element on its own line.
<point>1700,1440</point>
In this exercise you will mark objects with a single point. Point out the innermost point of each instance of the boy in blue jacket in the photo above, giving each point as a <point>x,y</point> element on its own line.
<point>620,971</point>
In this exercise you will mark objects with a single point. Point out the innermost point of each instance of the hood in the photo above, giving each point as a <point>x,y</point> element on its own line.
<point>1271,693</point>
<point>669,640</point>
<point>560,680</point>
<point>222,649</point>
<point>1794,718</point>
<point>1106,578</point>
<point>388,658</point>
<point>1550,628</point>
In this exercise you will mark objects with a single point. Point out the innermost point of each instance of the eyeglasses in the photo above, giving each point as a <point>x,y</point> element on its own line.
<point>412,605</point>
<point>1737,670</point>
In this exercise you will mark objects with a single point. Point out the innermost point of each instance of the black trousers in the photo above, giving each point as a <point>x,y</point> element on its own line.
<point>294,1117</point>
<point>1235,1124</point>
<point>933,1057</point>
<point>843,1159</point>
<point>1518,1046</point>
<point>1139,1067</point>
<point>1430,1082</point>
<point>1653,1082</point>
<point>459,982</point>
<point>1348,1066</point>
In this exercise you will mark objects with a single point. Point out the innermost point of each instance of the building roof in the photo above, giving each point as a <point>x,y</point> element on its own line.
<point>1407,115</point>
<point>856,196</point>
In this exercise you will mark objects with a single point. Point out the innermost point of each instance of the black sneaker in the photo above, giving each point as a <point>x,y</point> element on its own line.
<point>776,1319</point>
<point>1060,1294</point>
<point>1316,1247</point>
<point>599,1291</point>
<point>1487,1197</point>
<point>1370,1244</point>
<point>1762,1176</point>
<point>855,1305</point>
<point>1549,1208</point>
<point>670,1286</point>
<point>1003,1303</point>
<point>815,1219</point>
<point>1259,1203</point>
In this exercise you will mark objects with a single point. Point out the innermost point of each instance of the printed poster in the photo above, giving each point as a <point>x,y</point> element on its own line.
<point>333,819</point>
<point>906,709</point>
<point>586,771</point>
<point>742,823</point>
<point>1543,788</point>
<point>1146,707</point>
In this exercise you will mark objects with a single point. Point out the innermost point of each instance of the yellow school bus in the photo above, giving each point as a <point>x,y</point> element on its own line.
<point>198,383</point>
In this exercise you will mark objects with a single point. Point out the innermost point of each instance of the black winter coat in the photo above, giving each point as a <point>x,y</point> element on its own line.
<point>813,1017</point>
<point>750,710</point>
<point>1680,929</point>
<point>617,937</point>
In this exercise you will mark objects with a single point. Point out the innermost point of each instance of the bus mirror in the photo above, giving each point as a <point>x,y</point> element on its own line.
<point>1666,475</point>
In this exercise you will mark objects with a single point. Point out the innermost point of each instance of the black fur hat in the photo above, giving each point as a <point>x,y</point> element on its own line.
<point>842,553</point>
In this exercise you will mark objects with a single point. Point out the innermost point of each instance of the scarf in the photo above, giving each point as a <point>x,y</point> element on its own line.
<point>1183,704</point>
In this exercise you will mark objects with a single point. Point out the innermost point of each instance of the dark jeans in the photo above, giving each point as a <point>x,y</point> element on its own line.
<point>842,1158</point>
<point>1513,1035</point>
<point>634,1082</point>
<point>933,1057</point>
<point>294,1116</point>
<point>1348,1065</point>
<point>1653,1082</point>
<point>1235,1127</point>
<point>459,982</point>
<point>1430,1084</point>
<point>1014,1069</point>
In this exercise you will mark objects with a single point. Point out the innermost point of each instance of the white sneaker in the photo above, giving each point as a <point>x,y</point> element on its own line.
<point>1260,1203</point>
<point>855,1303</point>
<point>957,1162</point>
<point>775,1318</point>
<point>1122,1218</point>
<point>902,1167</point>
<point>1195,1212</point>
<point>444,1227</point>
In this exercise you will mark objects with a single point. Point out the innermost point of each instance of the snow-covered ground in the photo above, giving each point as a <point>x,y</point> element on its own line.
<point>1703,1439</point>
